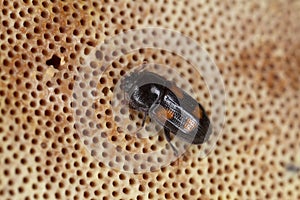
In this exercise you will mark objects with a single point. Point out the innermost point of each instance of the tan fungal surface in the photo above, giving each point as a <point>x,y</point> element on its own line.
<point>43,46</point>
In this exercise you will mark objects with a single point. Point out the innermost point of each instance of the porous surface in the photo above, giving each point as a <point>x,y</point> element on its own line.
<point>256,46</point>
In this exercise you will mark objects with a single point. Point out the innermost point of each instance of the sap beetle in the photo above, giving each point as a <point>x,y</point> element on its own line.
<point>168,105</point>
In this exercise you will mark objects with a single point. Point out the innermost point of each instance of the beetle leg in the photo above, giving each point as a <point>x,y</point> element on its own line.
<point>168,137</point>
<point>144,119</point>
<point>143,124</point>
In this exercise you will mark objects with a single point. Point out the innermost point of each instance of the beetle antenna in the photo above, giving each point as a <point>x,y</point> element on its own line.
<point>123,102</point>
<point>144,65</point>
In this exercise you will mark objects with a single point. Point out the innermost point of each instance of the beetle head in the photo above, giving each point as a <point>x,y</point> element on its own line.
<point>128,82</point>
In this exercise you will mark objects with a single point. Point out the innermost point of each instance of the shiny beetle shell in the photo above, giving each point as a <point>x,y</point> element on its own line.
<point>168,105</point>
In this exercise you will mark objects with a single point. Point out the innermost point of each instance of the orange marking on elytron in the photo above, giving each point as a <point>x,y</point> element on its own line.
<point>164,114</point>
<point>170,114</point>
<point>190,125</point>
<point>177,91</point>
<point>197,112</point>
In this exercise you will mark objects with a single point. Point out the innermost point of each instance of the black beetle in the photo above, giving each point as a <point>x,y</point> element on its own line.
<point>168,105</point>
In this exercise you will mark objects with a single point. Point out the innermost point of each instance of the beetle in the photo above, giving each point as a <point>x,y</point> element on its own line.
<point>168,105</point>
